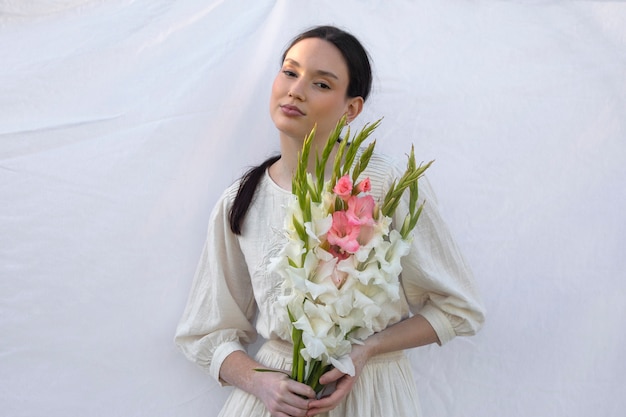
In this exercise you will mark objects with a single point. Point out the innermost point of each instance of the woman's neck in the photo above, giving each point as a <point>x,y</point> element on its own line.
<point>282,170</point>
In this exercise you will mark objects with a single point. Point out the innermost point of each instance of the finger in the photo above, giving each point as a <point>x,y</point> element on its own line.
<point>325,404</point>
<point>316,411</point>
<point>294,411</point>
<point>330,402</point>
<point>331,376</point>
<point>296,406</point>
<point>292,405</point>
<point>301,390</point>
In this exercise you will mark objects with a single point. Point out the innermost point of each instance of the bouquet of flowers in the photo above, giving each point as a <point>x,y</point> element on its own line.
<point>341,260</point>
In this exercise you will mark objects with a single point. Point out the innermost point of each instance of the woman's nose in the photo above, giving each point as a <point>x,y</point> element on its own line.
<point>296,91</point>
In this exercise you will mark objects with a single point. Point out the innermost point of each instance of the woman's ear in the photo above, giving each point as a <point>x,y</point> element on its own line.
<point>354,108</point>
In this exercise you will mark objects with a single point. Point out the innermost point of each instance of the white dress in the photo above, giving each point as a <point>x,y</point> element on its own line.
<point>233,298</point>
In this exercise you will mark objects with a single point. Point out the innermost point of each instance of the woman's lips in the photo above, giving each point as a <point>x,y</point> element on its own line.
<point>290,110</point>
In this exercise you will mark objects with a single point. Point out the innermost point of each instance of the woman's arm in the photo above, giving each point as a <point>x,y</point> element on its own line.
<point>412,332</point>
<point>282,396</point>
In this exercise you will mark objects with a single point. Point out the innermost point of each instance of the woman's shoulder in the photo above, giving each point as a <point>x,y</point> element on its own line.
<point>264,188</point>
<point>386,169</point>
<point>382,165</point>
<point>228,195</point>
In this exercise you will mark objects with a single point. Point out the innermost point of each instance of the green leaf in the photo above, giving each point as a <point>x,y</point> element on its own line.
<point>299,227</point>
<point>363,161</point>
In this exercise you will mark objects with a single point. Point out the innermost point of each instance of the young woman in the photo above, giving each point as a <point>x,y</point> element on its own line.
<point>325,75</point>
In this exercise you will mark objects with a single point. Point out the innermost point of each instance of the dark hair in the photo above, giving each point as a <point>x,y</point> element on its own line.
<point>355,55</point>
<point>245,193</point>
<point>360,84</point>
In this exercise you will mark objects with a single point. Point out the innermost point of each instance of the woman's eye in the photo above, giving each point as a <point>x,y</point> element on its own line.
<point>289,73</point>
<point>323,86</point>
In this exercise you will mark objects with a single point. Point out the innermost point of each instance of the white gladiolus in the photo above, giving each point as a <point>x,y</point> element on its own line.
<point>333,317</point>
<point>341,259</point>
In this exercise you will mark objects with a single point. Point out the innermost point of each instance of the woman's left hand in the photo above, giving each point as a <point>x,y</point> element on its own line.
<point>344,382</point>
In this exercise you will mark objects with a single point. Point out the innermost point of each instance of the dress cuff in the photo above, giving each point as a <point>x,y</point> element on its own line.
<point>219,355</point>
<point>439,321</point>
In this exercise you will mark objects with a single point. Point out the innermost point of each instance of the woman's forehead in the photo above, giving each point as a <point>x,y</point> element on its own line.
<point>317,54</point>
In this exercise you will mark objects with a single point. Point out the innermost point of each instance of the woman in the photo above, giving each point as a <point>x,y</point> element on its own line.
<point>325,75</point>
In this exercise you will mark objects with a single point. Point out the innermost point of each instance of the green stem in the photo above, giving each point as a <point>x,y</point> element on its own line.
<point>301,364</point>
<point>314,378</point>
<point>296,336</point>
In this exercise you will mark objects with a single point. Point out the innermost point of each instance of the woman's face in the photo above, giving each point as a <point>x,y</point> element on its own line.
<point>311,88</point>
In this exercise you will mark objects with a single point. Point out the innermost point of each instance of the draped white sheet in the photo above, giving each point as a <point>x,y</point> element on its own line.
<point>121,121</point>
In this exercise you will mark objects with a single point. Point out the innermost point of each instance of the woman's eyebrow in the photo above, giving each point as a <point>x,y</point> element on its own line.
<point>317,72</point>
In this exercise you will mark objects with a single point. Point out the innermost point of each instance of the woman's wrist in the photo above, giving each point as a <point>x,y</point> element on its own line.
<point>364,352</point>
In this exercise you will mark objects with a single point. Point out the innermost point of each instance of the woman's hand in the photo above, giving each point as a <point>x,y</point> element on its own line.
<point>344,382</point>
<point>282,396</point>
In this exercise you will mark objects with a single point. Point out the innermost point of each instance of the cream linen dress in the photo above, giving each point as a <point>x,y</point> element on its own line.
<point>233,298</point>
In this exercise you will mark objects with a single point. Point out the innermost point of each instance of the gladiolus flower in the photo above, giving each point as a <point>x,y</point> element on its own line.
<point>340,262</point>
<point>364,186</point>
<point>343,233</point>
<point>338,277</point>
<point>360,210</point>
<point>343,188</point>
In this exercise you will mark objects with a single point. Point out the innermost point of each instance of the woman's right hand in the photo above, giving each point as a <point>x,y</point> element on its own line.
<point>282,396</point>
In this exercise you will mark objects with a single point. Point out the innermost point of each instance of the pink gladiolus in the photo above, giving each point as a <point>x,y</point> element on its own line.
<point>343,188</point>
<point>343,233</point>
<point>338,253</point>
<point>360,210</point>
<point>364,186</point>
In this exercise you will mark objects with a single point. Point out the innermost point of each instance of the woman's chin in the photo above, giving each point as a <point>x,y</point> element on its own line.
<point>293,130</point>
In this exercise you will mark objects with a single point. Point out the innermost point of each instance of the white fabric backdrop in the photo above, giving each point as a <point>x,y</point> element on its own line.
<point>121,121</point>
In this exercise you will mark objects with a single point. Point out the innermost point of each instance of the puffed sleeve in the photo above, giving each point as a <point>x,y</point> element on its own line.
<point>221,307</point>
<point>437,281</point>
